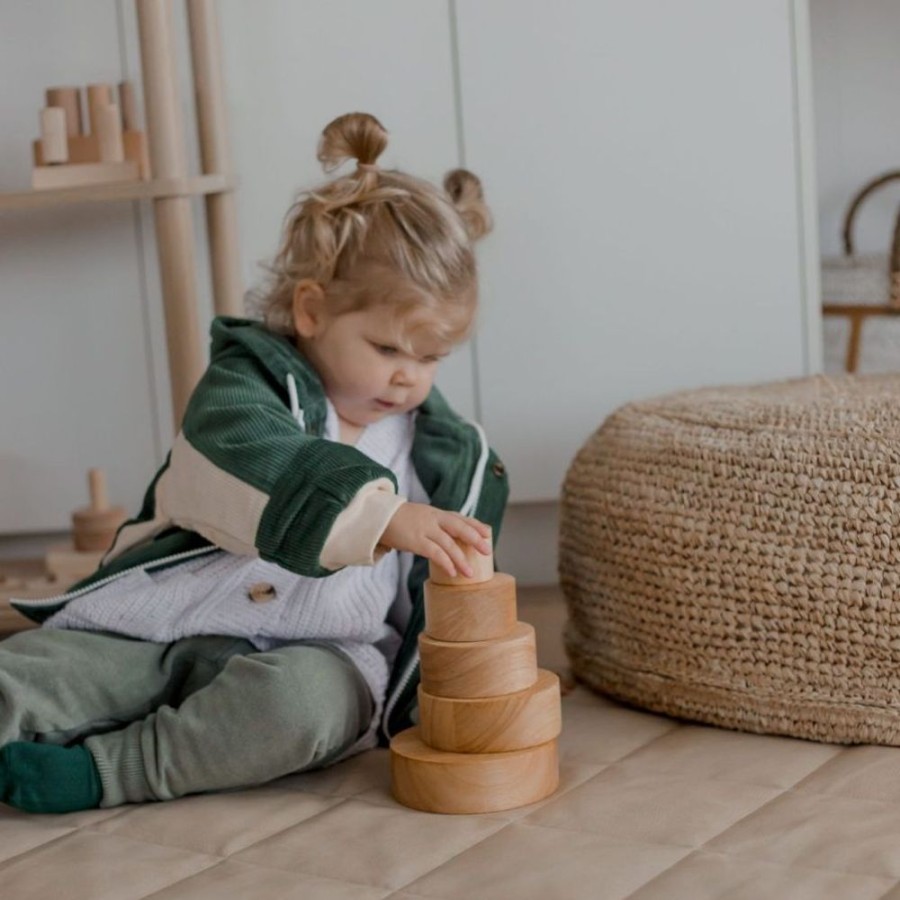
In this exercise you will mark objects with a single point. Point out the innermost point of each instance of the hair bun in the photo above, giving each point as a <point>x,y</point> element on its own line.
<point>464,188</point>
<point>358,136</point>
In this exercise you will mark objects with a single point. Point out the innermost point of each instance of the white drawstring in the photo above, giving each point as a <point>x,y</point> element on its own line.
<point>296,412</point>
<point>468,508</point>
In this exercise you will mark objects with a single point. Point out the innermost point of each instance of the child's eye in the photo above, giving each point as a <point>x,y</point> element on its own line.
<point>386,349</point>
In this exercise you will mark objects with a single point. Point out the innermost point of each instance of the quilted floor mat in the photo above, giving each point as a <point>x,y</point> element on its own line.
<point>648,808</point>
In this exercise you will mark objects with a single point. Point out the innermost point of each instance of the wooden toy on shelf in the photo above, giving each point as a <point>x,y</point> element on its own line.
<point>489,719</point>
<point>66,565</point>
<point>23,579</point>
<point>113,150</point>
<point>95,526</point>
<point>93,530</point>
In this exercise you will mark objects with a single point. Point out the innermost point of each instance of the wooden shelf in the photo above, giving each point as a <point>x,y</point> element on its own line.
<point>128,190</point>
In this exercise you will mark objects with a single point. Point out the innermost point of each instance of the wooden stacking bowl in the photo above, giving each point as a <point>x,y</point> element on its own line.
<point>492,724</point>
<point>471,613</point>
<point>482,568</point>
<point>437,781</point>
<point>479,668</point>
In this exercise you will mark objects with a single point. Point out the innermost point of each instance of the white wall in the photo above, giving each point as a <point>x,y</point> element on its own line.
<point>643,170</point>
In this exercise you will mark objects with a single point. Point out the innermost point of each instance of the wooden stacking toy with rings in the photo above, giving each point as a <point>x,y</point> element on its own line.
<point>489,719</point>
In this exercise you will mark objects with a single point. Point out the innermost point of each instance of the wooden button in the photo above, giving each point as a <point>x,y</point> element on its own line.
<point>498,469</point>
<point>262,592</point>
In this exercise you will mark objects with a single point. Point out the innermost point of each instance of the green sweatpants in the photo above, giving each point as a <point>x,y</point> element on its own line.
<point>165,720</point>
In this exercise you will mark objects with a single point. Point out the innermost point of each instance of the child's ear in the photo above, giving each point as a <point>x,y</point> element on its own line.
<point>308,307</point>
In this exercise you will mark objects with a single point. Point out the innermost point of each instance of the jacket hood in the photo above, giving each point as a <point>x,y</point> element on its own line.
<point>278,357</point>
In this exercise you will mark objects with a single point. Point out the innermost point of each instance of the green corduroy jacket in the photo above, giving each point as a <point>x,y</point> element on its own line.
<point>251,473</point>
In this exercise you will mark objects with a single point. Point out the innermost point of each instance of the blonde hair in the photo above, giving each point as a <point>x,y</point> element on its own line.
<point>379,220</point>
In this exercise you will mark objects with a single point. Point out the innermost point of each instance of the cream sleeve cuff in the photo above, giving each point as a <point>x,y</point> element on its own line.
<point>353,539</point>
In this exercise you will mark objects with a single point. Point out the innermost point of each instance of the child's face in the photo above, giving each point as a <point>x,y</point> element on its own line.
<point>366,373</point>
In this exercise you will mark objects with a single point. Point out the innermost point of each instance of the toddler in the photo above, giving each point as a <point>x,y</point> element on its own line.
<point>260,615</point>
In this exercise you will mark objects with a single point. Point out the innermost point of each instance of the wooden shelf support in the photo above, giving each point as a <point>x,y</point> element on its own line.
<point>172,215</point>
<point>221,214</point>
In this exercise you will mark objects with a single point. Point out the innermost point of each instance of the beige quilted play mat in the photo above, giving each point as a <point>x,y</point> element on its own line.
<point>647,808</point>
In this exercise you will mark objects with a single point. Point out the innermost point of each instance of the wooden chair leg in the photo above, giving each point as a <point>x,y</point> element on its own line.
<point>856,322</point>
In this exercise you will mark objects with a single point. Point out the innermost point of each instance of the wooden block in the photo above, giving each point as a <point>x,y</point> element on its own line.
<point>109,133</point>
<point>464,783</point>
<point>82,148</point>
<point>98,96</point>
<point>54,147</point>
<point>467,612</point>
<point>69,98</point>
<point>49,177</point>
<point>136,150</point>
<point>22,579</point>
<point>85,148</point>
<point>67,565</point>
<point>493,724</point>
<point>93,531</point>
<point>94,527</point>
<point>482,568</point>
<point>479,668</point>
<point>128,105</point>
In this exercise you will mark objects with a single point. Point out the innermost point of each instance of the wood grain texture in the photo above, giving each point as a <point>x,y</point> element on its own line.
<point>94,531</point>
<point>468,612</point>
<point>479,668</point>
<point>463,783</point>
<point>493,724</point>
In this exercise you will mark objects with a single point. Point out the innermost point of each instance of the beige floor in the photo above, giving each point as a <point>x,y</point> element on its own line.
<point>648,808</point>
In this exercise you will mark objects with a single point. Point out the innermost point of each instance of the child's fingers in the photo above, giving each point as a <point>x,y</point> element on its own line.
<point>480,527</point>
<point>442,558</point>
<point>454,551</point>
<point>464,529</point>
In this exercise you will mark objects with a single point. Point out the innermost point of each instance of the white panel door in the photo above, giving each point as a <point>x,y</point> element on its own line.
<point>640,159</point>
<point>293,67</point>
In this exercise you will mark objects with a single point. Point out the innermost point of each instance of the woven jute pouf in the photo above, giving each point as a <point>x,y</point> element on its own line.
<point>731,556</point>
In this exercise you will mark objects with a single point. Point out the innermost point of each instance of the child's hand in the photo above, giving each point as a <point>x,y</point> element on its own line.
<point>433,533</point>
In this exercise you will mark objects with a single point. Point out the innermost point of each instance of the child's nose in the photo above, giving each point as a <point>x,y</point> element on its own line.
<point>404,376</point>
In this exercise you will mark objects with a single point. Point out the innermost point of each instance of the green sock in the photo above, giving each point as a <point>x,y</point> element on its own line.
<point>47,778</point>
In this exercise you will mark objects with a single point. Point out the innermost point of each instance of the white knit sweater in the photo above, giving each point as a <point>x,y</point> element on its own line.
<point>213,593</point>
